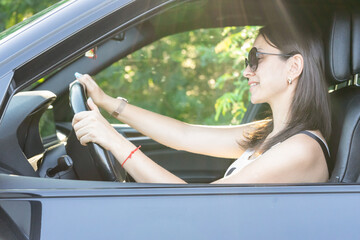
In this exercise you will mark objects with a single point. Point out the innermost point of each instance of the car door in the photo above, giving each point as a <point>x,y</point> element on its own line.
<point>43,208</point>
<point>66,209</point>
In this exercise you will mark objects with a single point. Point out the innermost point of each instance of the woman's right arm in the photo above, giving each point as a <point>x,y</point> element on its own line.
<point>217,141</point>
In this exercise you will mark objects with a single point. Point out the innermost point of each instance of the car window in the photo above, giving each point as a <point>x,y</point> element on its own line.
<point>47,128</point>
<point>193,76</point>
<point>16,14</point>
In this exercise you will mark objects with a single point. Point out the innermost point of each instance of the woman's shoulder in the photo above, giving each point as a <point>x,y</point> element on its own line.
<point>297,159</point>
<point>304,144</point>
<point>316,134</point>
<point>305,149</point>
<point>303,154</point>
<point>299,151</point>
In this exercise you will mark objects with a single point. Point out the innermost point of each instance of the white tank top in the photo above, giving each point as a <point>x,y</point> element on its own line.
<point>241,162</point>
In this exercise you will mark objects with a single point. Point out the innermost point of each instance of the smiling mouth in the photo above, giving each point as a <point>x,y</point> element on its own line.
<point>253,84</point>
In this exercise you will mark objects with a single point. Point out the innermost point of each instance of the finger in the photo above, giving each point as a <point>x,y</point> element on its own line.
<point>80,133</point>
<point>75,119</point>
<point>87,79</point>
<point>83,82</point>
<point>80,124</point>
<point>78,75</point>
<point>92,105</point>
<point>89,84</point>
<point>82,78</point>
<point>80,117</point>
<point>79,78</point>
<point>88,120</point>
<point>85,139</point>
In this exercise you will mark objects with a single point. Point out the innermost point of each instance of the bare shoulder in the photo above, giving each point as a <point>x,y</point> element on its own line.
<point>299,159</point>
<point>303,146</point>
<point>304,149</point>
<point>303,154</point>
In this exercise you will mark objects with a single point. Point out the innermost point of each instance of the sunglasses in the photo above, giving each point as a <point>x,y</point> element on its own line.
<point>253,58</point>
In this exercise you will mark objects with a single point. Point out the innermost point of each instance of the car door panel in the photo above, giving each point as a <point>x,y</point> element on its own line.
<point>102,210</point>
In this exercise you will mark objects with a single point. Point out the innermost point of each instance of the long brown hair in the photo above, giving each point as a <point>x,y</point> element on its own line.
<point>310,107</point>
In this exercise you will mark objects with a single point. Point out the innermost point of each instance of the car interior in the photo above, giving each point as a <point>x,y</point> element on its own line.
<point>26,152</point>
<point>343,57</point>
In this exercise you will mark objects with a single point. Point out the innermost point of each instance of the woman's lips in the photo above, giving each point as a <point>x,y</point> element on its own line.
<point>253,83</point>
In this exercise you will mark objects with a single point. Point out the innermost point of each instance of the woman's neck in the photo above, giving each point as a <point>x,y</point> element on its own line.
<point>280,117</point>
<point>281,108</point>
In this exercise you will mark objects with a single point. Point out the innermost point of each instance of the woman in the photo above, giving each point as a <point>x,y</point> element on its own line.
<point>285,70</point>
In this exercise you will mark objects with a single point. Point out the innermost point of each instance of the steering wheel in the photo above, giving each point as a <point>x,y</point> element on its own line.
<point>102,158</point>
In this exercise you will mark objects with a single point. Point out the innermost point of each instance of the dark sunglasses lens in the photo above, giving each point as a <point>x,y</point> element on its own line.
<point>253,61</point>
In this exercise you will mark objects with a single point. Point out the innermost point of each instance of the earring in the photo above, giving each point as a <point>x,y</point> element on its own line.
<point>289,81</point>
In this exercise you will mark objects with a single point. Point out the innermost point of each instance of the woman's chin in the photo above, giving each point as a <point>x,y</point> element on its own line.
<point>255,100</point>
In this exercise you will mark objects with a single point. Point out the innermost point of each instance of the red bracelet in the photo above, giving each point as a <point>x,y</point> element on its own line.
<point>130,155</point>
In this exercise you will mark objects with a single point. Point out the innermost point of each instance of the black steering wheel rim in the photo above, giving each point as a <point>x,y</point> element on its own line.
<point>102,158</point>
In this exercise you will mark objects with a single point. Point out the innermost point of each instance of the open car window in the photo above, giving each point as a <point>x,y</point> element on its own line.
<point>194,76</point>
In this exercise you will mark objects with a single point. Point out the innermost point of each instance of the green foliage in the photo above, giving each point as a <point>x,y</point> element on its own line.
<point>233,49</point>
<point>15,11</point>
<point>47,124</point>
<point>194,76</point>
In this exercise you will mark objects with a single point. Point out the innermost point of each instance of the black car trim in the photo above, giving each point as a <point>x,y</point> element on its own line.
<point>5,85</point>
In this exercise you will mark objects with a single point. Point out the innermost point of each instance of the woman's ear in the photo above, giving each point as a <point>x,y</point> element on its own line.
<point>296,65</point>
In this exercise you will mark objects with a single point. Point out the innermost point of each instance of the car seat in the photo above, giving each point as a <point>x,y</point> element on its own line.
<point>342,68</point>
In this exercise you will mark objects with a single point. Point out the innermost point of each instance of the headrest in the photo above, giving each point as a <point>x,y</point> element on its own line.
<point>338,52</point>
<point>355,43</point>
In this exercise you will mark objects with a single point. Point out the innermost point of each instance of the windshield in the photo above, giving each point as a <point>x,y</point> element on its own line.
<point>30,19</point>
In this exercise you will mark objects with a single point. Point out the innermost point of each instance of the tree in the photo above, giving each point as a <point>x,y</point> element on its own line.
<point>15,11</point>
<point>194,76</point>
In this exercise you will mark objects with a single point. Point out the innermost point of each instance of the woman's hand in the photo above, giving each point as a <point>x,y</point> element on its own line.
<point>93,90</point>
<point>91,126</point>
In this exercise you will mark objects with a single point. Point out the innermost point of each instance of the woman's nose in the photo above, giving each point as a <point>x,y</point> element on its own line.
<point>248,72</point>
